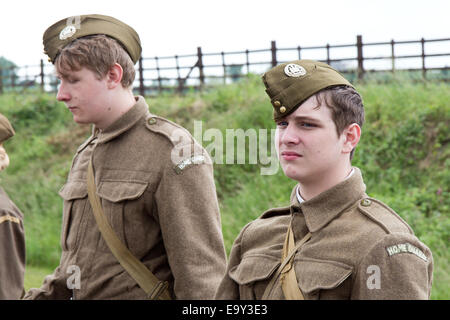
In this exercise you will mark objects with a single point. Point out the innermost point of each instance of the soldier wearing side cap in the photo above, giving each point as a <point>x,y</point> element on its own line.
<point>12,237</point>
<point>333,241</point>
<point>140,216</point>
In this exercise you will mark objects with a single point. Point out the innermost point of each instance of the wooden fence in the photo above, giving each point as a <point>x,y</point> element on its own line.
<point>180,73</point>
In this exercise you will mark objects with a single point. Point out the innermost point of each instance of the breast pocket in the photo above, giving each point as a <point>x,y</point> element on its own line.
<point>323,279</point>
<point>253,275</point>
<point>121,204</point>
<point>74,194</point>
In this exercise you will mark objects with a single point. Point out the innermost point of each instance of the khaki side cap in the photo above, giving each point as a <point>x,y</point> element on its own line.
<point>287,91</point>
<point>54,41</point>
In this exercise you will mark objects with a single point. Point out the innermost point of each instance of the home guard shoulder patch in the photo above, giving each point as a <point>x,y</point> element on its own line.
<point>406,248</point>
<point>9,218</point>
<point>197,159</point>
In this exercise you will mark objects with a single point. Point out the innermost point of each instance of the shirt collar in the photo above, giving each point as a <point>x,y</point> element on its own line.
<point>323,208</point>
<point>124,123</point>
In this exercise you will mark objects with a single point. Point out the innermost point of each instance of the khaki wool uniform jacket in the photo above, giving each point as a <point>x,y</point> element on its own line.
<point>166,215</point>
<point>359,249</point>
<point>12,249</point>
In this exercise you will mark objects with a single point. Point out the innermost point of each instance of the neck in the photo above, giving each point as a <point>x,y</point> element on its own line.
<point>119,103</point>
<point>320,183</point>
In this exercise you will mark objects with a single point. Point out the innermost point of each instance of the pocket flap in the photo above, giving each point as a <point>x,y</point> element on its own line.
<point>254,268</point>
<point>314,274</point>
<point>116,191</point>
<point>73,190</point>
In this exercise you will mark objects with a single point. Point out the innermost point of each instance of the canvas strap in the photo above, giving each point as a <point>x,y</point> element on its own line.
<point>153,287</point>
<point>286,272</point>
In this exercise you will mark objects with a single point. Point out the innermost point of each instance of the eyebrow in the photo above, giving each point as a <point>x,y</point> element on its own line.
<point>299,118</point>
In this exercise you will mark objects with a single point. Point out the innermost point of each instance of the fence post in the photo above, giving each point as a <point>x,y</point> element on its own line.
<point>159,75</point>
<point>141,78</point>
<point>273,48</point>
<point>247,62</point>
<point>42,75</point>
<point>180,83</point>
<point>359,46</point>
<point>224,68</point>
<point>328,53</point>
<point>424,70</point>
<point>200,66</point>
<point>393,55</point>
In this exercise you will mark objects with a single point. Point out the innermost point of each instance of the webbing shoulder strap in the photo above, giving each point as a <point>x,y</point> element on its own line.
<point>285,272</point>
<point>153,287</point>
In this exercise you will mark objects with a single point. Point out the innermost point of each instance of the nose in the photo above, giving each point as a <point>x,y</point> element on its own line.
<point>63,94</point>
<point>289,135</point>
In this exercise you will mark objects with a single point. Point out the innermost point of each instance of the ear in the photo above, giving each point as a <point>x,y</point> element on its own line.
<point>114,76</point>
<point>351,136</point>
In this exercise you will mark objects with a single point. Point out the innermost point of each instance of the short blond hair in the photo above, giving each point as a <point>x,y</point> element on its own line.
<point>97,53</point>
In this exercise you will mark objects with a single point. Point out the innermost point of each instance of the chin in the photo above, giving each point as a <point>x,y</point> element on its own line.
<point>291,173</point>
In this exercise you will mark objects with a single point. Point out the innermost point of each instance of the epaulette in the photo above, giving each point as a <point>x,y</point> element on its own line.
<point>172,131</point>
<point>186,151</point>
<point>383,215</point>
<point>276,212</point>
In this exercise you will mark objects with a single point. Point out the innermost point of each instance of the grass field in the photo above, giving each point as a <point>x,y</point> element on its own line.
<point>404,155</point>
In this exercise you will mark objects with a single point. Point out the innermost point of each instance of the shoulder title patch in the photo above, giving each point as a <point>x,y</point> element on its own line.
<point>198,159</point>
<point>406,248</point>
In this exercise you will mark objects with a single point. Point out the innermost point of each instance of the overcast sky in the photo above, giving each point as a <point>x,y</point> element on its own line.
<point>172,27</point>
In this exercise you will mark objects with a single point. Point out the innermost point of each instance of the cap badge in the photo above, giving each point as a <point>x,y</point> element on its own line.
<point>67,32</point>
<point>294,70</point>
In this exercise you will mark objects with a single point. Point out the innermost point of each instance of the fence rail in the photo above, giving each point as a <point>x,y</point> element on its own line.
<point>430,58</point>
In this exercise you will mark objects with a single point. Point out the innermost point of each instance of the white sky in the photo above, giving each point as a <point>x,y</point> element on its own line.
<point>169,27</point>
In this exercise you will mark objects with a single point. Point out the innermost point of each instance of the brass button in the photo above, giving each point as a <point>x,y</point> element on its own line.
<point>277,104</point>
<point>283,109</point>
<point>151,121</point>
<point>366,202</point>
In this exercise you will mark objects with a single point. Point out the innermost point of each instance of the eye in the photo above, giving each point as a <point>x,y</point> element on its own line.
<point>282,124</point>
<point>307,124</point>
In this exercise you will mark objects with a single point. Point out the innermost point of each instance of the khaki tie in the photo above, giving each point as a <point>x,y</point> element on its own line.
<point>286,272</point>
<point>288,279</point>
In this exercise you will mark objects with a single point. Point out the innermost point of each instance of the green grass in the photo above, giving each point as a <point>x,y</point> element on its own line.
<point>34,276</point>
<point>404,155</point>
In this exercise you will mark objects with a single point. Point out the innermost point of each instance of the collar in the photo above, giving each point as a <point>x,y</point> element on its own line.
<point>124,123</point>
<point>323,208</point>
<point>299,197</point>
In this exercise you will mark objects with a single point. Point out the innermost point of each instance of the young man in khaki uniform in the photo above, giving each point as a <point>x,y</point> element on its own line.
<point>154,183</point>
<point>333,241</point>
<point>12,237</point>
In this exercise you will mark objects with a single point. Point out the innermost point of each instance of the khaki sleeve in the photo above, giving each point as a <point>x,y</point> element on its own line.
<point>53,288</point>
<point>12,257</point>
<point>397,267</point>
<point>228,288</point>
<point>188,213</point>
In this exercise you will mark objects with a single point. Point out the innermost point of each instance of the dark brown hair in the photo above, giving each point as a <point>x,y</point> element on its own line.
<point>346,107</point>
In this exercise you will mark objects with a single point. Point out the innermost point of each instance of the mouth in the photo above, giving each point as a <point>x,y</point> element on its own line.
<point>290,155</point>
